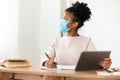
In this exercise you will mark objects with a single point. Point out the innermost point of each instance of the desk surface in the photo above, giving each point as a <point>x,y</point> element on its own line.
<point>35,70</point>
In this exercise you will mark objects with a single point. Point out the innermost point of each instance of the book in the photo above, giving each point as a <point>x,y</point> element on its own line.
<point>14,63</point>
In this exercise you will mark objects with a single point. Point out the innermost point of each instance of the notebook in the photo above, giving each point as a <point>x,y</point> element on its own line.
<point>59,67</point>
<point>89,60</point>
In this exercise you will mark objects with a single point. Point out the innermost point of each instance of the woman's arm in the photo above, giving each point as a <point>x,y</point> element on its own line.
<point>49,62</point>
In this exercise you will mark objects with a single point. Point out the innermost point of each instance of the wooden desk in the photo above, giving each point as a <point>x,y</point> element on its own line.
<point>34,73</point>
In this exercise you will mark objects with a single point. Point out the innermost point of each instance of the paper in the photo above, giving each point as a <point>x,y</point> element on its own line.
<point>66,67</point>
<point>105,73</point>
<point>59,67</point>
<point>45,68</point>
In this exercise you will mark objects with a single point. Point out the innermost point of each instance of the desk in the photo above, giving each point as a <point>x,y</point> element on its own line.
<point>53,74</point>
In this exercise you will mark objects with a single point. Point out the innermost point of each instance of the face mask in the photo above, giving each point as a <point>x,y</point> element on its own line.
<point>63,26</point>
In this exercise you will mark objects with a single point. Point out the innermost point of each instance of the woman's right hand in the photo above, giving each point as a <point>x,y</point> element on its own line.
<point>50,64</point>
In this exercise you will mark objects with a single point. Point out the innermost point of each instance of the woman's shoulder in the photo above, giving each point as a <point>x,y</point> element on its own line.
<point>85,37</point>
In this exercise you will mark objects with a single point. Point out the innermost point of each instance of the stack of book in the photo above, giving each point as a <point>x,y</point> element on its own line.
<point>15,63</point>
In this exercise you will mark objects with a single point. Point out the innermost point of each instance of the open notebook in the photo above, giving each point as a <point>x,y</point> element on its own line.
<point>59,67</point>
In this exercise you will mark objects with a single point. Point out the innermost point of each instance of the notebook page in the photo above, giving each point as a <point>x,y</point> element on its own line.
<point>59,67</point>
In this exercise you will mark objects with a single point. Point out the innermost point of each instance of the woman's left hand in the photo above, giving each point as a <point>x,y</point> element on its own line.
<point>106,63</point>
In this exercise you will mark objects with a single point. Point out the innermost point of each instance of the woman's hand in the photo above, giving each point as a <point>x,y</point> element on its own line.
<point>50,64</point>
<point>106,63</point>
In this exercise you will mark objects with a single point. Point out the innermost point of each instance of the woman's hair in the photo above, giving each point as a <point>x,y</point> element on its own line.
<point>80,11</point>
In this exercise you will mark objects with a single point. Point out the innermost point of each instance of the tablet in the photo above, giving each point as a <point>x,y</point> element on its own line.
<point>89,60</point>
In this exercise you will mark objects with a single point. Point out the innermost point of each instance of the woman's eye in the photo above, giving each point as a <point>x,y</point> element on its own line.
<point>65,19</point>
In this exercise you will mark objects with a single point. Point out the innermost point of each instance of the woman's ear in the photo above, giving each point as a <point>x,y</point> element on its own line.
<point>75,24</point>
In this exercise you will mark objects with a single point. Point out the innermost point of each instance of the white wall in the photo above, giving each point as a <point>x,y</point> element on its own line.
<point>29,25</point>
<point>104,26</point>
<point>37,27</point>
<point>27,28</point>
<point>9,28</point>
<point>49,29</point>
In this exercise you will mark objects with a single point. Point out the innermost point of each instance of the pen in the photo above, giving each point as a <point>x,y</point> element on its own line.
<point>53,63</point>
<point>47,55</point>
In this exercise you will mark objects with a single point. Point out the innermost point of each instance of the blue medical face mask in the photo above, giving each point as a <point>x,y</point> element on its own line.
<point>63,26</point>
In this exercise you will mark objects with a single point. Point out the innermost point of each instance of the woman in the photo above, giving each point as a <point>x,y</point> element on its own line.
<point>67,49</point>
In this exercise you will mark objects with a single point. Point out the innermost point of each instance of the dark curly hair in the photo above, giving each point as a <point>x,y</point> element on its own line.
<point>80,11</point>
